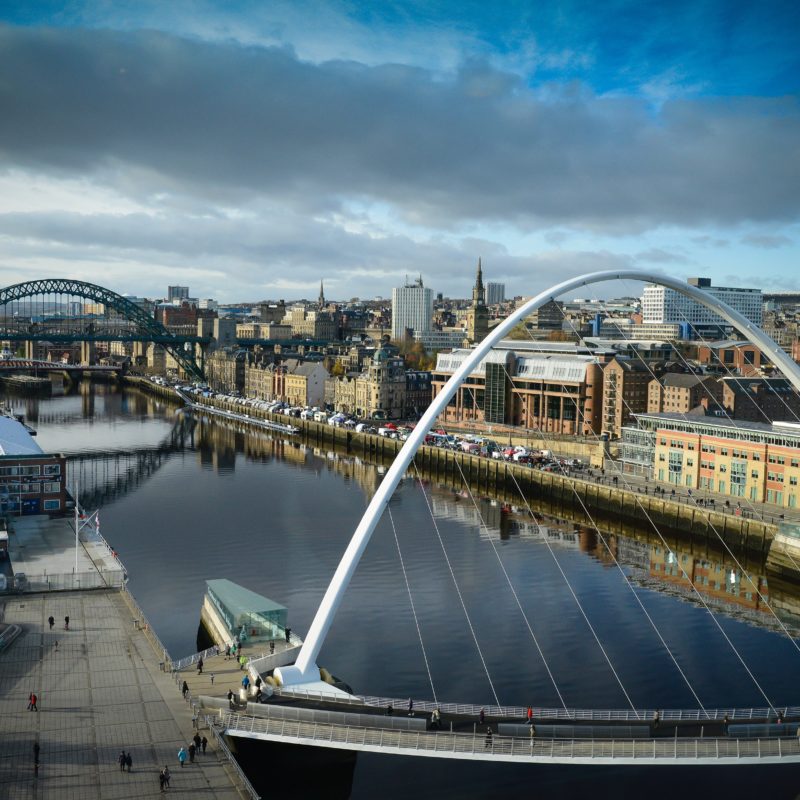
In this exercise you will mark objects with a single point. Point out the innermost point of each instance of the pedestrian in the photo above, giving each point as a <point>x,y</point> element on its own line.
<point>242,662</point>
<point>56,645</point>
<point>167,776</point>
<point>533,731</point>
<point>258,682</point>
<point>233,650</point>
<point>161,781</point>
<point>656,719</point>
<point>725,725</point>
<point>204,743</point>
<point>227,651</point>
<point>246,682</point>
<point>529,716</point>
<point>200,666</point>
<point>288,635</point>
<point>196,741</point>
<point>212,678</point>
<point>181,756</point>
<point>66,623</point>
<point>389,710</point>
<point>410,707</point>
<point>185,689</point>
<point>128,760</point>
<point>52,620</point>
<point>258,695</point>
<point>121,760</point>
<point>436,719</point>
<point>192,751</point>
<point>481,716</point>
<point>34,700</point>
<point>488,738</point>
<point>272,648</point>
<point>36,753</point>
<point>230,698</point>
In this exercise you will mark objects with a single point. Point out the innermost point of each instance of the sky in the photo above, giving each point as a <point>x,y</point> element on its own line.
<point>251,149</point>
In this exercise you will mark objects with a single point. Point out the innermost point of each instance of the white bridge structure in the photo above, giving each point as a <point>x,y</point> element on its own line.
<point>619,737</point>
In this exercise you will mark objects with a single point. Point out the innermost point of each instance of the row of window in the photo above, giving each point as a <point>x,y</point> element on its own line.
<point>31,469</point>
<point>46,487</point>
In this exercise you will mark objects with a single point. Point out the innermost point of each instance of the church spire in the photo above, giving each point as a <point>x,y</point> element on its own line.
<point>479,279</point>
<point>321,300</point>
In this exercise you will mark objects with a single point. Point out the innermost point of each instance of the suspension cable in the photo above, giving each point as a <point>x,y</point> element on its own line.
<point>714,528</point>
<point>411,601</point>
<point>571,590</point>
<point>621,475</point>
<point>455,582</point>
<point>511,585</point>
<point>616,562</point>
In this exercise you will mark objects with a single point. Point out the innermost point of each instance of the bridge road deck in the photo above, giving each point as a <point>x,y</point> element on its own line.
<point>100,690</point>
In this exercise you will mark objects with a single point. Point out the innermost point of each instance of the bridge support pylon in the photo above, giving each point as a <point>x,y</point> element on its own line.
<point>29,348</point>
<point>88,353</point>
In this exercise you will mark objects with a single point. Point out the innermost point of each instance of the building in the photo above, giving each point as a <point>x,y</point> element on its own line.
<point>761,399</point>
<point>679,393</point>
<point>383,390</point>
<point>434,340</point>
<point>736,459</point>
<point>225,368</point>
<point>614,328</point>
<point>304,382</point>
<point>549,317</point>
<point>625,385</point>
<point>548,391</point>
<point>478,314</point>
<point>661,305</point>
<point>319,325</point>
<point>263,330</point>
<point>31,481</point>
<point>175,294</point>
<point>495,293</point>
<point>741,358</point>
<point>412,310</point>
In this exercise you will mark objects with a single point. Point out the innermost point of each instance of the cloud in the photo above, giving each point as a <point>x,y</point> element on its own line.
<point>767,241</point>
<point>657,255</point>
<point>154,114</point>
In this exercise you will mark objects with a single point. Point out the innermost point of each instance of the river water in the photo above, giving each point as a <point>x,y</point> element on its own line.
<point>275,516</point>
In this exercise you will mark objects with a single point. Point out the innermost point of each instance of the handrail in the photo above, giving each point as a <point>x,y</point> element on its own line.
<point>609,715</point>
<point>233,762</point>
<point>183,663</point>
<point>708,748</point>
<point>146,628</point>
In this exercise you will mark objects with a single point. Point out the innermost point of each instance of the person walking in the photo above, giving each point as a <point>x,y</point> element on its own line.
<point>196,740</point>
<point>32,699</point>
<point>481,716</point>
<point>52,620</point>
<point>488,738</point>
<point>192,751</point>
<point>288,635</point>
<point>66,623</point>
<point>272,648</point>
<point>121,760</point>
<point>161,781</point>
<point>200,666</point>
<point>243,661</point>
<point>410,707</point>
<point>227,652</point>
<point>182,756</point>
<point>167,776</point>
<point>204,744</point>
<point>246,682</point>
<point>230,698</point>
<point>128,760</point>
<point>530,716</point>
<point>212,678</point>
<point>185,689</point>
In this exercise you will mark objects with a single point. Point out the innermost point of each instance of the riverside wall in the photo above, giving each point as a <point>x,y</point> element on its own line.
<point>575,498</point>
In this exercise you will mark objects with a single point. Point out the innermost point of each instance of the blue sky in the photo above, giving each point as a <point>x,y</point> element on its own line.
<point>250,149</point>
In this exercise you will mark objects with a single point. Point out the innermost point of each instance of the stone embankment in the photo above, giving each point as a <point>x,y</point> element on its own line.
<point>576,497</point>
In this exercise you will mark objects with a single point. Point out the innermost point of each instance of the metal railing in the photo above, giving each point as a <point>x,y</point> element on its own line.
<point>582,714</point>
<point>141,621</point>
<point>188,661</point>
<point>67,581</point>
<point>225,750</point>
<point>481,746</point>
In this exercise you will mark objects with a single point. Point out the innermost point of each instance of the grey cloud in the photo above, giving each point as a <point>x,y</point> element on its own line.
<point>766,241</point>
<point>155,113</point>
<point>657,255</point>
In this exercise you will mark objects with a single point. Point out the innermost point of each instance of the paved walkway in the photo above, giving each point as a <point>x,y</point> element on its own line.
<point>100,691</point>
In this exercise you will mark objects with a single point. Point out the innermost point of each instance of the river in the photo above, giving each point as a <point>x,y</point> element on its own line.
<point>275,516</point>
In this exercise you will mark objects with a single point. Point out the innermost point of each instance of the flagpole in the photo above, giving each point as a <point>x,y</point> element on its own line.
<point>76,526</point>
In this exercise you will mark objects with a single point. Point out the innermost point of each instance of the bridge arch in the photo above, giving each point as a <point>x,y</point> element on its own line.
<point>148,326</point>
<point>305,670</point>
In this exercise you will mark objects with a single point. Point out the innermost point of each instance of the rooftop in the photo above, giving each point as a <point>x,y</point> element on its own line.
<point>239,600</point>
<point>15,440</point>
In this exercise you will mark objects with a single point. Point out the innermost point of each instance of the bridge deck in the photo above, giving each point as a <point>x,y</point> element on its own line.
<point>443,744</point>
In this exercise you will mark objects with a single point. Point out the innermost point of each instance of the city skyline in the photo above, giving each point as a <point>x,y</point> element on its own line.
<point>248,151</point>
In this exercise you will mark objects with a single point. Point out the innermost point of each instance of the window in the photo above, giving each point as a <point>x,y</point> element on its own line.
<point>52,505</point>
<point>51,488</point>
<point>723,451</point>
<point>754,473</point>
<point>51,469</point>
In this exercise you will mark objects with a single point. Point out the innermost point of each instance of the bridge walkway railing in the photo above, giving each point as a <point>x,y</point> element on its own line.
<point>579,714</point>
<point>669,749</point>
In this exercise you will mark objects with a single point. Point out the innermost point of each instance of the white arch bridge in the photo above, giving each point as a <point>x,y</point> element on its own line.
<point>339,720</point>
